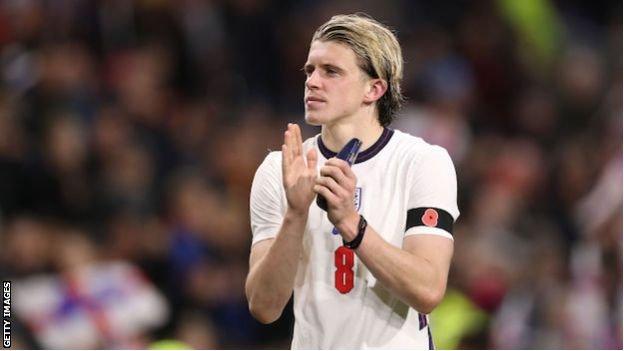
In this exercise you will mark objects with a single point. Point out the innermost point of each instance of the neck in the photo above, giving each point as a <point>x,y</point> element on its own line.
<point>336,135</point>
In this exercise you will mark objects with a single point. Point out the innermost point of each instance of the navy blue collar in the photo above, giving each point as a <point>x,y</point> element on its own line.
<point>364,155</point>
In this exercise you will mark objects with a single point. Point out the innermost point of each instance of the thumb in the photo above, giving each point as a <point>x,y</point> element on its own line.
<point>312,159</point>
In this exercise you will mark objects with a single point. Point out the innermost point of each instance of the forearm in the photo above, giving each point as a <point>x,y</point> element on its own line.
<point>412,278</point>
<point>271,280</point>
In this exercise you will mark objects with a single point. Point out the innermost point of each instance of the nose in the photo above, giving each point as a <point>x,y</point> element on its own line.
<point>312,81</point>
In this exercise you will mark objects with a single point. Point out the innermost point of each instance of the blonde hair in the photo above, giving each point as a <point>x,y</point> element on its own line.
<point>378,53</point>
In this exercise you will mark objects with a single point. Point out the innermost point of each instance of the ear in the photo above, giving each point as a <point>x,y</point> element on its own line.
<point>375,90</point>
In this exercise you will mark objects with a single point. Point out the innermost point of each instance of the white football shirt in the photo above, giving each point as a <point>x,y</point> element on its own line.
<point>405,186</point>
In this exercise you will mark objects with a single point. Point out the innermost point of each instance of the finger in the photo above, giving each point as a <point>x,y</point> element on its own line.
<point>286,137</point>
<point>286,159</point>
<point>335,161</point>
<point>334,172</point>
<point>312,159</point>
<point>293,139</point>
<point>343,166</point>
<point>331,184</point>
<point>291,143</point>
<point>298,139</point>
<point>288,151</point>
<point>326,193</point>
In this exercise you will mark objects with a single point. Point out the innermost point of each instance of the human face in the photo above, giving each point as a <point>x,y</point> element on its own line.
<point>335,85</point>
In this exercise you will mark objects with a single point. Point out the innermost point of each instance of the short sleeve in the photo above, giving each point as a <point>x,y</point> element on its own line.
<point>432,203</point>
<point>265,201</point>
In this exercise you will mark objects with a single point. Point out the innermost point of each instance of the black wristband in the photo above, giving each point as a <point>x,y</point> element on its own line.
<point>353,244</point>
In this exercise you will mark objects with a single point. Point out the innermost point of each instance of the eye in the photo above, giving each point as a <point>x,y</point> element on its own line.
<point>308,70</point>
<point>331,71</point>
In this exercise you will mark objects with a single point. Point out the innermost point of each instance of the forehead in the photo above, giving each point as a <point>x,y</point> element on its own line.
<point>331,52</point>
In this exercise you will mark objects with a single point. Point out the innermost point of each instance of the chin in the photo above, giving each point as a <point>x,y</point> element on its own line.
<point>313,119</point>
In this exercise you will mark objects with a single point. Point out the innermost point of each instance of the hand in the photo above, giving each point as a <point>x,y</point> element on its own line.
<point>298,176</point>
<point>337,184</point>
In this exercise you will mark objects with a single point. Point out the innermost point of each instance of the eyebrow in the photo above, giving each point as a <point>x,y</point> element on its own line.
<point>324,66</point>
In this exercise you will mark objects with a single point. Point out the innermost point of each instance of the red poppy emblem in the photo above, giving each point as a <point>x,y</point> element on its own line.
<point>430,218</point>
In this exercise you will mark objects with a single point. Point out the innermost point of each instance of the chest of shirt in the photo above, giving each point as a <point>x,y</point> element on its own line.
<point>381,196</point>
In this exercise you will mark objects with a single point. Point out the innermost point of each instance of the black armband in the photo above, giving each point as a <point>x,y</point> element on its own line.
<point>429,217</point>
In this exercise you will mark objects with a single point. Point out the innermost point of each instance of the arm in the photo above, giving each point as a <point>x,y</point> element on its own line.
<point>273,262</point>
<point>272,268</point>
<point>416,273</point>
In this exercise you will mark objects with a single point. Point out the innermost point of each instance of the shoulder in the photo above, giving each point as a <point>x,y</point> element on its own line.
<point>433,180</point>
<point>270,168</point>
<point>416,150</point>
<point>273,159</point>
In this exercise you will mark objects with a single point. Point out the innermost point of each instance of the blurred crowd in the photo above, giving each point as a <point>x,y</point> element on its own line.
<point>130,132</point>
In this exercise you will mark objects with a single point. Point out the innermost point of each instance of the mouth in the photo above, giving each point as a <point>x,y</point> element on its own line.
<point>313,101</point>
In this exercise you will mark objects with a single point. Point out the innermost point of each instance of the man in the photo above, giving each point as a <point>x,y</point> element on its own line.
<point>363,276</point>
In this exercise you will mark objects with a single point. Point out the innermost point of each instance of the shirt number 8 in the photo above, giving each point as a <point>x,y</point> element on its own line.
<point>343,278</point>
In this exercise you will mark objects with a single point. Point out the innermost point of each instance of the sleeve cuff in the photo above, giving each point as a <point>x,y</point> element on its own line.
<point>268,233</point>
<point>428,230</point>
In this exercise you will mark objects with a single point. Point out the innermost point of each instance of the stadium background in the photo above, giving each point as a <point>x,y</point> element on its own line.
<point>130,132</point>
